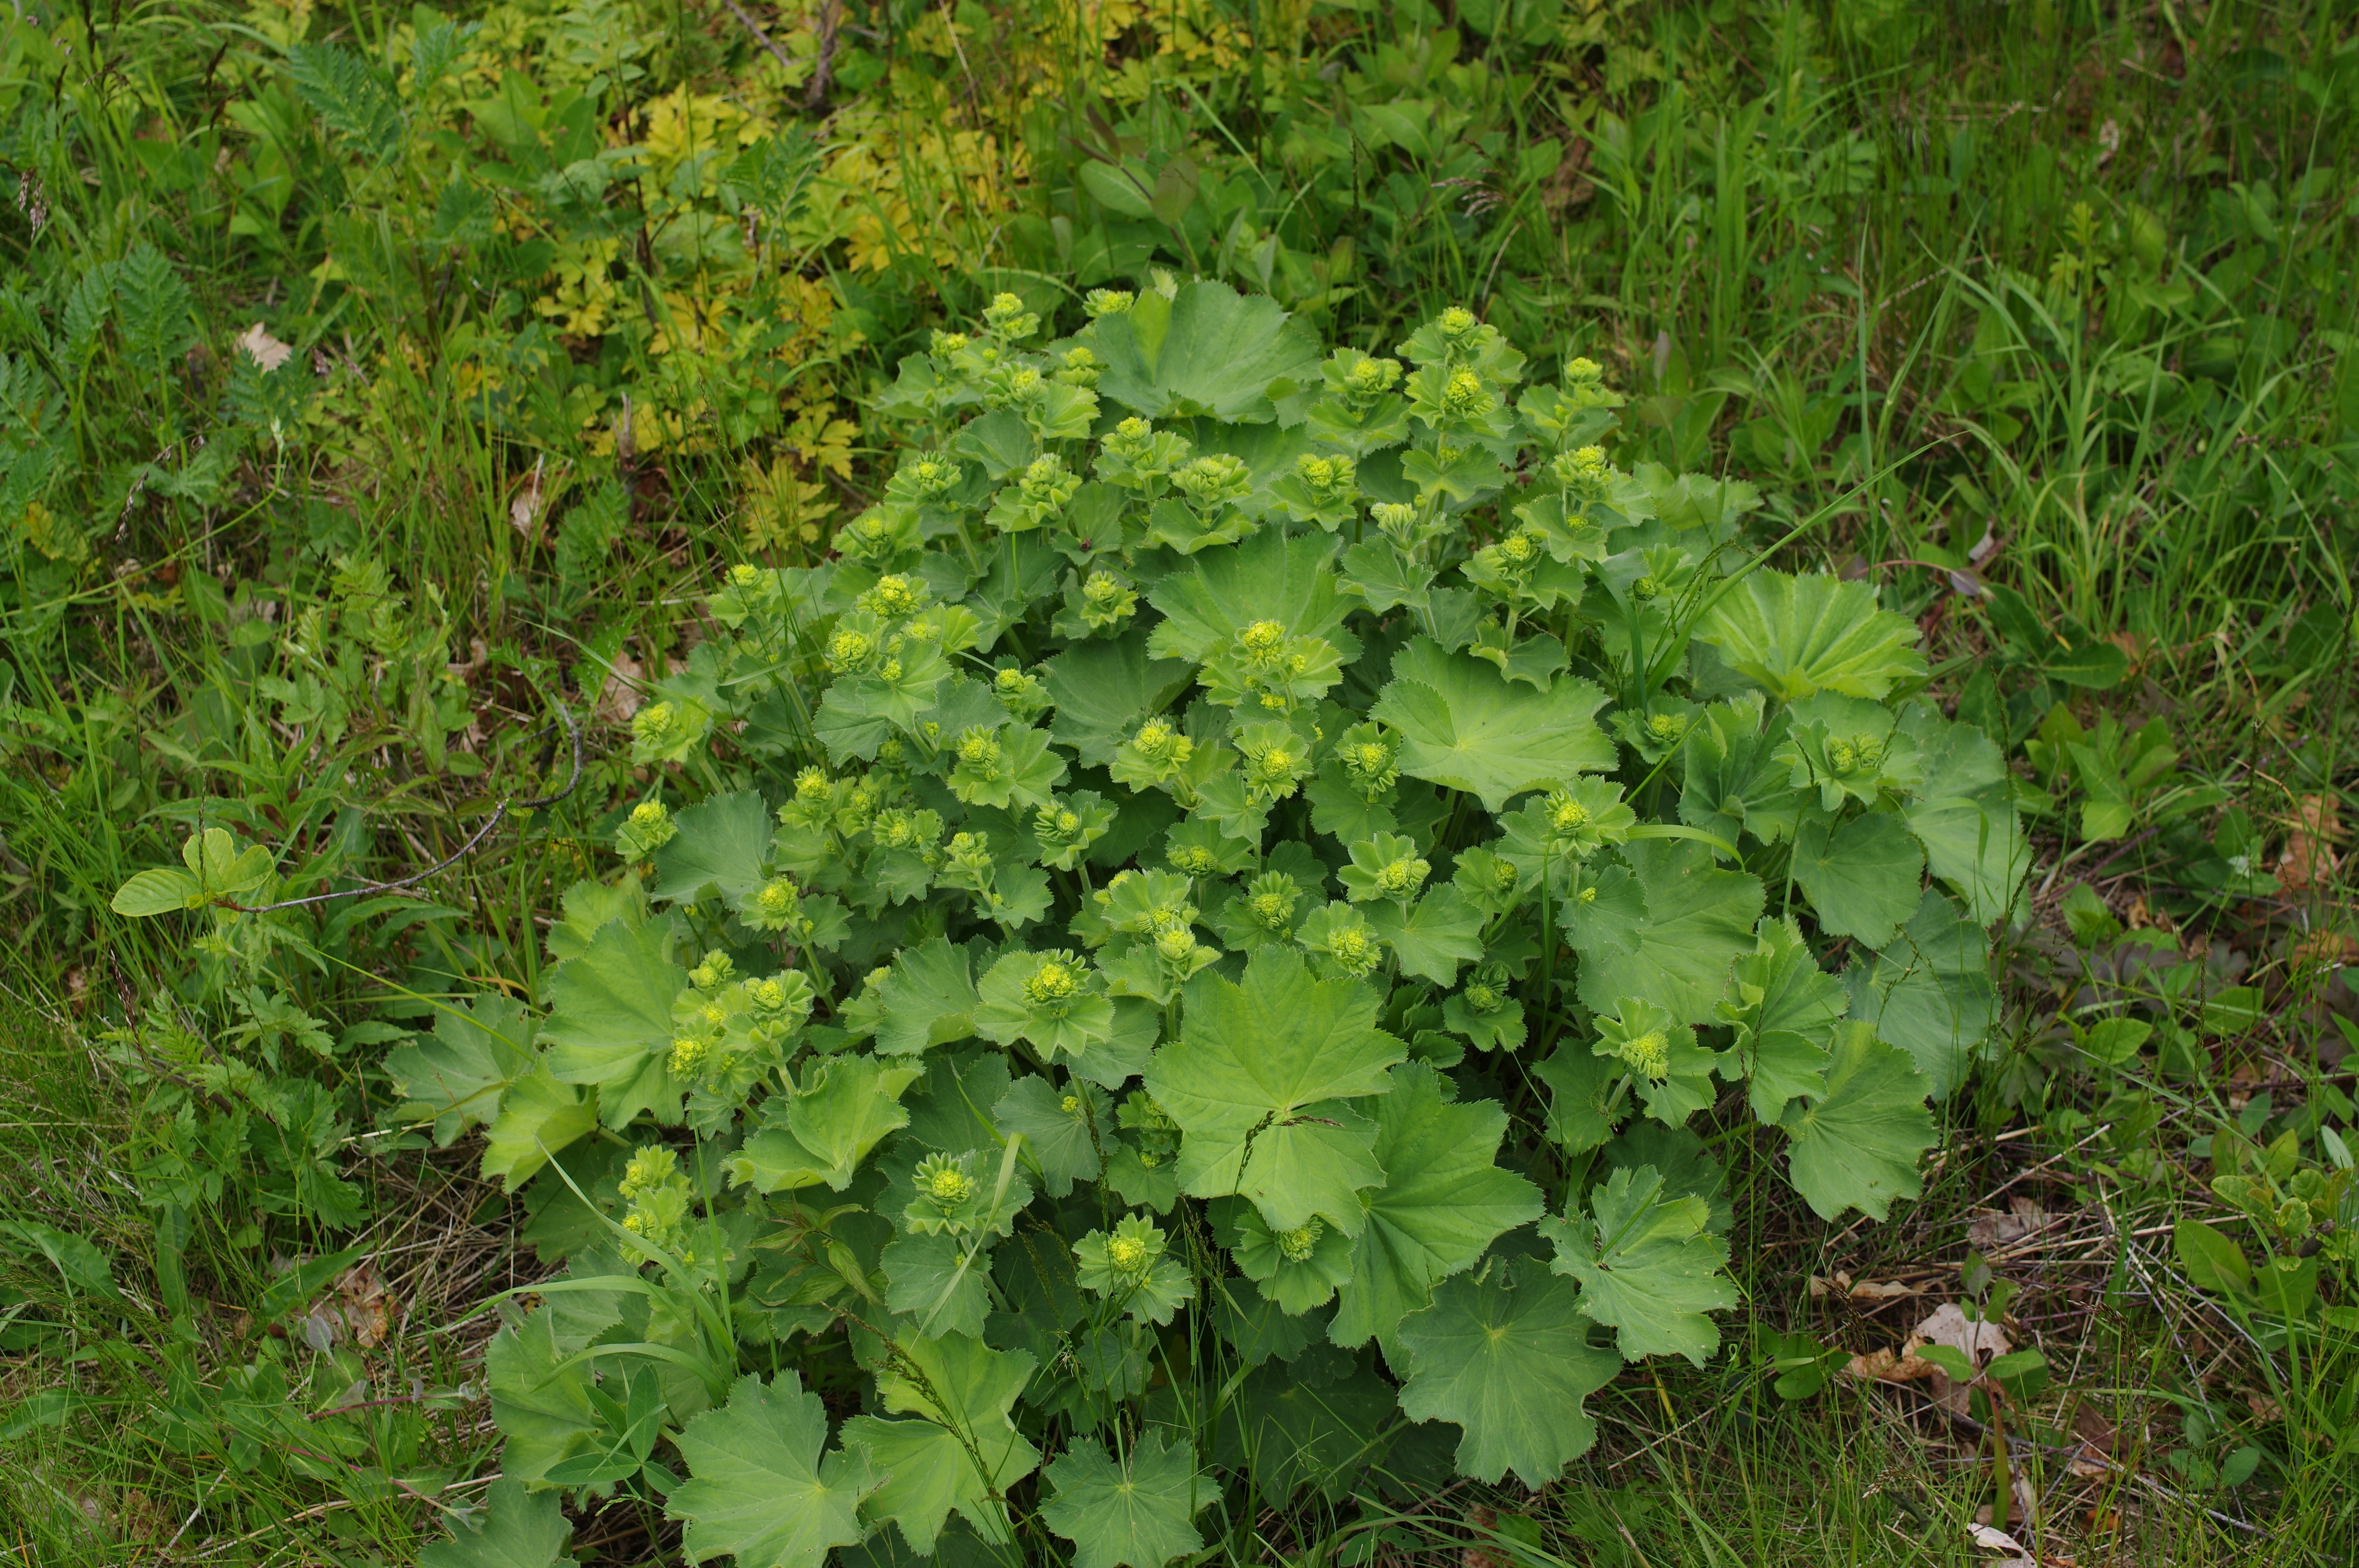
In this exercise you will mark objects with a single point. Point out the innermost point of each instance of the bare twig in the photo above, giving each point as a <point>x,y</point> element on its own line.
<point>499,816</point>
<point>781,55</point>
<point>823,76</point>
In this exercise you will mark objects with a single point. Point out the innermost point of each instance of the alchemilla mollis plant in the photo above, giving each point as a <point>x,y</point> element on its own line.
<point>1176,970</point>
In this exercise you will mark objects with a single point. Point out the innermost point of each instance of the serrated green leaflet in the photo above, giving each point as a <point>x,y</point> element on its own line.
<point>1646,1267</point>
<point>929,998</point>
<point>844,1108</point>
<point>759,1489</point>
<point>1135,1512</point>
<point>458,1075</point>
<point>1255,1083</point>
<point>1784,1007</point>
<point>540,1396</point>
<point>538,1117</point>
<point>1443,1201</point>
<point>1964,814</point>
<point>1510,1363</point>
<point>1287,581</point>
<point>1797,635</point>
<point>1736,784</point>
<point>939,1284</point>
<point>1465,725</point>
<point>1432,938</point>
<point>722,843</point>
<point>1586,1099</point>
<point>1057,1125</point>
<point>1857,1145</point>
<point>1102,690</point>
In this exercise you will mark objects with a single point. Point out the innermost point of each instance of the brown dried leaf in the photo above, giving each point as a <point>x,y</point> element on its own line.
<point>1993,1229</point>
<point>2309,860</point>
<point>263,349</point>
<point>621,696</point>
<point>525,506</point>
<point>2098,1439</point>
<point>1889,1366</point>
<point>364,1304</point>
<point>1980,1343</point>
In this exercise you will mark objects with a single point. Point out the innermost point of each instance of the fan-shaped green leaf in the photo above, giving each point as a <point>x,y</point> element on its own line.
<point>517,1530</point>
<point>1735,780</point>
<point>1647,1266</point>
<point>939,1284</point>
<point>1057,1142</point>
<point>1464,725</point>
<point>1796,635</point>
<point>1698,920</point>
<point>1137,1512</point>
<point>538,1117</point>
<point>1254,1082</point>
<point>459,1074</point>
<point>1434,937</point>
<point>1929,990</point>
<point>722,842</point>
<point>1964,813</point>
<point>1510,1363</point>
<point>1443,1201</point>
<point>540,1396</point>
<point>1863,878</point>
<point>929,998</point>
<point>1784,1007</point>
<point>1208,350</point>
<point>611,1024</point>
<point>1104,690</point>
<point>927,1467</point>
<point>758,1487</point>
<point>1857,1145</point>
<point>1270,577</point>
<point>844,1108</point>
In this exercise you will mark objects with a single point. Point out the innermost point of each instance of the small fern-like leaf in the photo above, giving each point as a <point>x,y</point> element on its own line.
<point>88,304</point>
<point>154,308</point>
<point>348,95</point>
<point>438,49</point>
